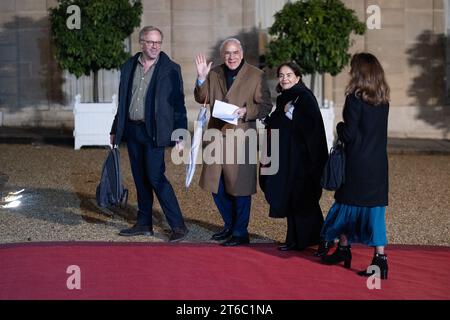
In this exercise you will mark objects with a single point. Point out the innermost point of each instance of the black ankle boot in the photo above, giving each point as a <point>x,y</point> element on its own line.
<point>342,253</point>
<point>379,260</point>
<point>324,247</point>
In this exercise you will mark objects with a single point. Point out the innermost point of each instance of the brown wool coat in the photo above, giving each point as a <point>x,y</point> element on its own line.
<point>249,88</point>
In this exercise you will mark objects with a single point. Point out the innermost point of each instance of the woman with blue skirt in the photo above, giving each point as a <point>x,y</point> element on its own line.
<point>358,214</point>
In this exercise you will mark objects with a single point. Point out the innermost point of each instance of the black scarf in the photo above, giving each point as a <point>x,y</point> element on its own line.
<point>230,75</point>
<point>290,94</point>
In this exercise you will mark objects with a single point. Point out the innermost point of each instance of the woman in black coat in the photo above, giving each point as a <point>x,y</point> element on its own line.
<point>294,191</point>
<point>358,215</point>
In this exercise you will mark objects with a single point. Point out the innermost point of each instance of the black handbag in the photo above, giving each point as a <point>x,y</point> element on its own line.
<point>110,191</point>
<point>333,176</point>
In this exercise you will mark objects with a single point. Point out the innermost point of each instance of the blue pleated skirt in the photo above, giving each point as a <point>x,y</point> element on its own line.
<point>365,225</point>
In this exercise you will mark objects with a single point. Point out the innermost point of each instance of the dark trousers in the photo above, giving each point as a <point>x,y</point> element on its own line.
<point>235,211</point>
<point>148,167</point>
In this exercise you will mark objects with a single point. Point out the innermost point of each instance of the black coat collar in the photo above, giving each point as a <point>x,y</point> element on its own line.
<point>163,65</point>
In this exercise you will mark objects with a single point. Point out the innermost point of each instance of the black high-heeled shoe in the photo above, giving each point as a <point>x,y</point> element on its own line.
<point>342,253</point>
<point>324,247</point>
<point>379,260</point>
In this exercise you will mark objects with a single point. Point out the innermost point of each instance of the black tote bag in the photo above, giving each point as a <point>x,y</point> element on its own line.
<point>110,191</point>
<point>333,176</point>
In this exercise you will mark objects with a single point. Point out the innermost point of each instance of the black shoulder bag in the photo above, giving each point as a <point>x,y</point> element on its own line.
<point>333,176</point>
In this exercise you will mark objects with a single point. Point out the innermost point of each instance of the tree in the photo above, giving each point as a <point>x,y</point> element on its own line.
<point>98,43</point>
<point>315,34</point>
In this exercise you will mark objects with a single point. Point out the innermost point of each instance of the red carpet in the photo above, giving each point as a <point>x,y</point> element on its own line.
<point>211,272</point>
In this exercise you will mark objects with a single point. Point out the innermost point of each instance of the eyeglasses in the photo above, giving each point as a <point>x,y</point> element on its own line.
<point>151,43</point>
<point>230,53</point>
<point>287,76</point>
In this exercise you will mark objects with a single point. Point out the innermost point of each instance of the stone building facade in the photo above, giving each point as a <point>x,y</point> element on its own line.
<point>411,44</point>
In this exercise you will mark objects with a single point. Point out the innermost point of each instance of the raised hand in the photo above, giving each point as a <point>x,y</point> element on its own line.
<point>202,67</point>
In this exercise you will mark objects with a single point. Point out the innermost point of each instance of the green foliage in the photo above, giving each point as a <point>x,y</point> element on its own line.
<point>99,43</point>
<point>314,33</point>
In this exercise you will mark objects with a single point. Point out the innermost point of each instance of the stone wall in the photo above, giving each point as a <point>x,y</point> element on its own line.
<point>411,46</point>
<point>34,92</point>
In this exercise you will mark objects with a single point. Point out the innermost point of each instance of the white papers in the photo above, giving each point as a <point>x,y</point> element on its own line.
<point>224,111</point>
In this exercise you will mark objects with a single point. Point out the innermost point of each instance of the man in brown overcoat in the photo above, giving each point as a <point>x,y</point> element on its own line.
<point>232,182</point>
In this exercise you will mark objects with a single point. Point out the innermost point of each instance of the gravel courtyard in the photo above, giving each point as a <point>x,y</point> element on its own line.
<point>58,203</point>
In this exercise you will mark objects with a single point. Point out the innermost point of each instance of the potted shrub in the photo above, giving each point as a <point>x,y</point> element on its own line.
<point>316,35</point>
<point>97,43</point>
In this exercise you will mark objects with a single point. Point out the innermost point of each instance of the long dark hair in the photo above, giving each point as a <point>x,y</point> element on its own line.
<point>294,67</point>
<point>367,79</point>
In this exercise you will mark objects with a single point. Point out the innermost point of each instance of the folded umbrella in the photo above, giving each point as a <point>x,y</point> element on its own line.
<point>196,142</point>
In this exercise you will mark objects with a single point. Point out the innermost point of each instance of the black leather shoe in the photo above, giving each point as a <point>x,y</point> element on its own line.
<point>323,248</point>
<point>287,247</point>
<point>341,254</point>
<point>236,241</point>
<point>137,230</point>
<point>221,235</point>
<point>178,234</point>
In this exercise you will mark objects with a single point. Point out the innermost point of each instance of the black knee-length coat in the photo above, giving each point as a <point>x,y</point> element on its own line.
<point>364,133</point>
<point>303,152</point>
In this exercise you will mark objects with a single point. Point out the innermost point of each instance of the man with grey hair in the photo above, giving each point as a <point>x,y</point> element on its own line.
<point>232,184</point>
<point>236,41</point>
<point>151,106</point>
